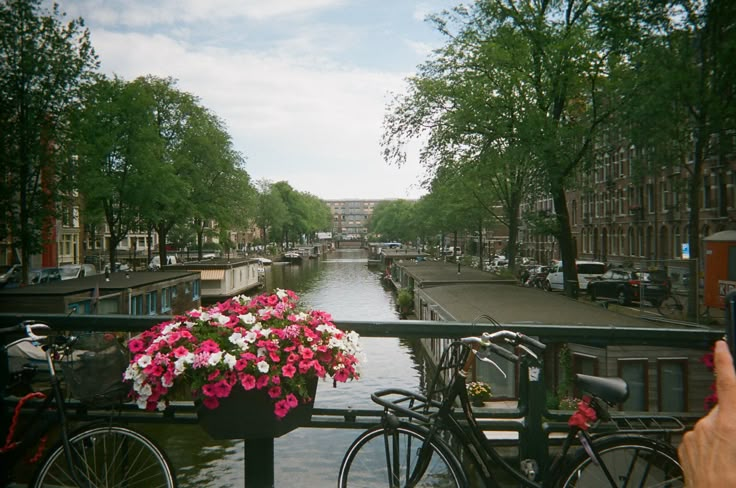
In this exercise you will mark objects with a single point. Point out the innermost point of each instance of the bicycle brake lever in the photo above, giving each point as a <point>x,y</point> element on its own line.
<point>529,351</point>
<point>486,359</point>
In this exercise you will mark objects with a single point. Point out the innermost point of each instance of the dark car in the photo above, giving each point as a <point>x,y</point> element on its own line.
<point>630,285</point>
<point>44,275</point>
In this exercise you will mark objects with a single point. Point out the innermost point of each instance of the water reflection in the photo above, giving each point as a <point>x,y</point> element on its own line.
<point>342,284</point>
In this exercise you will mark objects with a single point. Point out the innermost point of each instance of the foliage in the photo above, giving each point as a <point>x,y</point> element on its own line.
<point>265,343</point>
<point>43,62</point>
<point>394,220</point>
<point>405,298</point>
<point>479,391</point>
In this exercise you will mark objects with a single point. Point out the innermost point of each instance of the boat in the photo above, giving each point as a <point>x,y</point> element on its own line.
<point>292,257</point>
<point>264,261</point>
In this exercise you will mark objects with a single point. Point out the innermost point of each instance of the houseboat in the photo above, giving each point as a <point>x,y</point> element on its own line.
<point>293,257</point>
<point>223,278</point>
<point>129,293</point>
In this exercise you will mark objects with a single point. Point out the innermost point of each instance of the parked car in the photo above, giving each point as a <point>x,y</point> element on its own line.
<point>155,263</point>
<point>587,271</point>
<point>71,271</point>
<point>10,274</point>
<point>118,267</point>
<point>44,275</point>
<point>627,285</point>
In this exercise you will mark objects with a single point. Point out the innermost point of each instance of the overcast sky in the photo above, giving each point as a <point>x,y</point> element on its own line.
<point>301,84</point>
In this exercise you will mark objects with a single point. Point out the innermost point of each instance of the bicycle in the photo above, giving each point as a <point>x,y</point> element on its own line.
<point>671,307</point>
<point>412,446</point>
<point>99,454</point>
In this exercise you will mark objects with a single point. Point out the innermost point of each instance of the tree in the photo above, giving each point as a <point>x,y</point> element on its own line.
<point>271,211</point>
<point>394,220</point>
<point>42,64</point>
<point>513,74</point>
<point>116,146</point>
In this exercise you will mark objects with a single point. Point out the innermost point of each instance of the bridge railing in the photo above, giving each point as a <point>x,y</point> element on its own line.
<point>533,434</point>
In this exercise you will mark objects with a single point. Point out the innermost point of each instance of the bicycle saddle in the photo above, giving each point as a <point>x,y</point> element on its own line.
<point>610,390</point>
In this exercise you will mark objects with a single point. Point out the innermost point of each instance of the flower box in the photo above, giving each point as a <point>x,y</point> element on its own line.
<point>266,353</point>
<point>249,415</point>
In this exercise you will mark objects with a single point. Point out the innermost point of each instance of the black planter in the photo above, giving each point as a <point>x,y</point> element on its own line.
<point>249,415</point>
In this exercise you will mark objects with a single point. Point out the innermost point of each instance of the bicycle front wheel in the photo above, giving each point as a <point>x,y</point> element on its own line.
<point>625,461</point>
<point>671,308</point>
<point>106,456</point>
<point>388,457</point>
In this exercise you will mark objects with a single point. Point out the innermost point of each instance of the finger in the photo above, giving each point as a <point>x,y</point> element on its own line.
<point>725,374</point>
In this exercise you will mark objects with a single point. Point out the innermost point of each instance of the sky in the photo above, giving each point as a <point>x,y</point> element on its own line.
<point>302,85</point>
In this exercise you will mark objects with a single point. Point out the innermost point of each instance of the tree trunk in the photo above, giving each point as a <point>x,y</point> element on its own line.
<point>694,220</point>
<point>568,253</point>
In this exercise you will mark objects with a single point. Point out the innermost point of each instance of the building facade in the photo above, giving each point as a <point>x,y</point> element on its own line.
<point>350,218</point>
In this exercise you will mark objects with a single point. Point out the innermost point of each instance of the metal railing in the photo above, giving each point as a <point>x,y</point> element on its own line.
<point>533,434</point>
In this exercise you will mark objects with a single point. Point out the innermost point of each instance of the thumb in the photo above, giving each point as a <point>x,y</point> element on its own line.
<point>725,374</point>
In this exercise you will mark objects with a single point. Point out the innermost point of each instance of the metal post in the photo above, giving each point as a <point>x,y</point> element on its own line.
<point>533,439</point>
<point>259,463</point>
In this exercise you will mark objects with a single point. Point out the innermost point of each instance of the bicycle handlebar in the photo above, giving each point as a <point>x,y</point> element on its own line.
<point>490,340</point>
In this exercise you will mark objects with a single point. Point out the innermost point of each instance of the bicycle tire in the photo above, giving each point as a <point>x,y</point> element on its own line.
<point>671,307</point>
<point>107,456</point>
<point>366,462</point>
<point>631,461</point>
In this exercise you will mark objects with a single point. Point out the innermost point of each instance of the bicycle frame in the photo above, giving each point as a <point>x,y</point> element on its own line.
<point>32,437</point>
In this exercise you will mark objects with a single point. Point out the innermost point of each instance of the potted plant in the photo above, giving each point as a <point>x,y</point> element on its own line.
<point>479,392</point>
<point>405,300</point>
<point>239,356</point>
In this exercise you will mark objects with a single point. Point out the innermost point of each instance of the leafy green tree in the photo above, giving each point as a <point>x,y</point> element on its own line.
<point>43,62</point>
<point>513,74</point>
<point>271,212</point>
<point>394,220</point>
<point>116,152</point>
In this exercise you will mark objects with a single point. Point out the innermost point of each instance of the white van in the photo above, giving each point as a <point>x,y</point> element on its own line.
<point>72,271</point>
<point>587,270</point>
<point>155,263</point>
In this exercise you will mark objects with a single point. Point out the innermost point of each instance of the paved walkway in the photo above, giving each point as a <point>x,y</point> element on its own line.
<point>466,295</point>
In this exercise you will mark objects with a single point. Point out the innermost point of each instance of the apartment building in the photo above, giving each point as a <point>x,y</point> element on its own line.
<point>620,216</point>
<point>350,217</point>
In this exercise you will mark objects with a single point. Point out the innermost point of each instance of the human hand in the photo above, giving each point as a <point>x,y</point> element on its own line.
<point>708,452</point>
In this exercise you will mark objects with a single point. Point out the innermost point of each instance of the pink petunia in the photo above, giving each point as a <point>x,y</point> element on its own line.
<point>180,352</point>
<point>222,389</point>
<point>208,390</point>
<point>288,370</point>
<point>281,409</point>
<point>261,382</point>
<point>341,375</point>
<point>213,376</point>
<point>273,300</point>
<point>274,391</point>
<point>248,381</point>
<point>136,345</point>
<point>210,402</point>
<point>291,400</point>
<point>241,364</point>
<point>306,353</point>
<point>209,346</point>
<point>274,357</point>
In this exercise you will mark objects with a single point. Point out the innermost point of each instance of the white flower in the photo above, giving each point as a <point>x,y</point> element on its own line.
<point>301,316</point>
<point>229,360</point>
<point>248,318</point>
<point>145,391</point>
<point>170,328</point>
<point>263,366</point>
<point>141,402</point>
<point>261,352</point>
<point>251,337</point>
<point>161,406</point>
<point>130,372</point>
<point>144,361</point>
<point>214,358</point>
<point>223,319</point>
<point>281,293</point>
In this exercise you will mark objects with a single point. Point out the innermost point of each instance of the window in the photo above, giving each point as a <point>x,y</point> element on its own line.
<point>195,290</point>
<point>174,292</point>
<point>136,305</point>
<point>584,364</point>
<point>707,198</point>
<point>634,371</point>
<point>672,385</point>
<point>151,299</point>
<point>165,300</point>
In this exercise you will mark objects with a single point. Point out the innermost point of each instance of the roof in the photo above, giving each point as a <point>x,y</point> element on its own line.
<point>118,281</point>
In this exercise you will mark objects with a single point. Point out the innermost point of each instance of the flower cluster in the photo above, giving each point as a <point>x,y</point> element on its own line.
<point>478,390</point>
<point>585,416</point>
<point>265,343</point>
<point>569,403</point>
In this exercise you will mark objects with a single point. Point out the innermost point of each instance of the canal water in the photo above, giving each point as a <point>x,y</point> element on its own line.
<point>342,284</point>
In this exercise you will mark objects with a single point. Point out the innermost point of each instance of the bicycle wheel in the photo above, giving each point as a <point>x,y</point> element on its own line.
<point>671,308</point>
<point>386,457</point>
<point>106,456</point>
<point>626,461</point>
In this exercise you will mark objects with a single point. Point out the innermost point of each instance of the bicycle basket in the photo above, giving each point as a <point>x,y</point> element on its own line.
<point>94,370</point>
<point>453,359</point>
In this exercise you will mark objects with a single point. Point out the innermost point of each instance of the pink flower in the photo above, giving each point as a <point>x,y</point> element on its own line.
<point>291,400</point>
<point>180,352</point>
<point>306,353</point>
<point>208,390</point>
<point>274,357</point>
<point>136,345</point>
<point>221,389</point>
<point>248,381</point>
<point>288,370</point>
<point>281,409</point>
<point>274,391</point>
<point>261,382</point>
<point>209,346</point>
<point>210,402</point>
<point>241,364</point>
<point>273,300</point>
